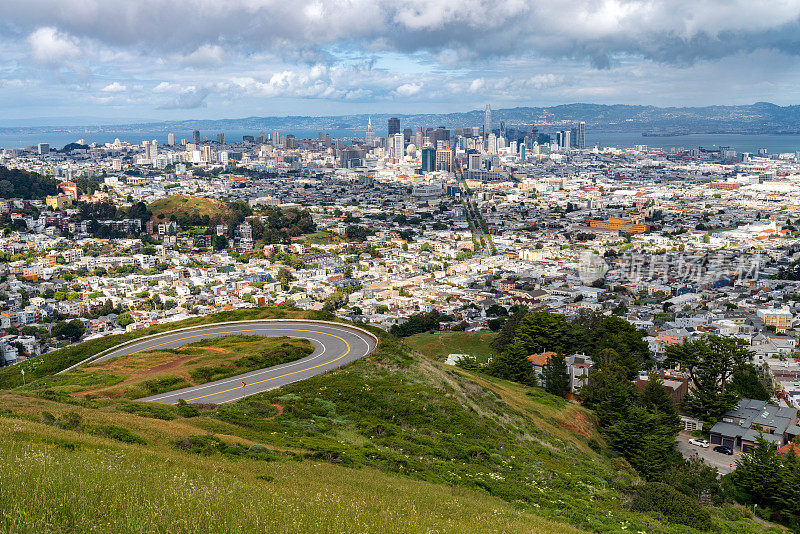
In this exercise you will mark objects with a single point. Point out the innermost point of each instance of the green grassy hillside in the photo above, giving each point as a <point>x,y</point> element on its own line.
<point>185,205</point>
<point>396,442</point>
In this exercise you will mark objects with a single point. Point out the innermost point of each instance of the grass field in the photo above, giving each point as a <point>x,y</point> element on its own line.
<point>395,442</point>
<point>322,237</point>
<point>158,371</point>
<point>55,361</point>
<point>187,205</point>
<point>438,345</point>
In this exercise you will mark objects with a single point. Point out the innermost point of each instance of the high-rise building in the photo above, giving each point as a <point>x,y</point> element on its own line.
<point>581,141</point>
<point>369,139</point>
<point>221,138</point>
<point>474,162</point>
<point>207,154</point>
<point>444,160</point>
<point>171,139</point>
<point>398,146</point>
<point>428,159</point>
<point>394,126</point>
<point>196,137</point>
<point>43,148</point>
<point>491,144</point>
<point>487,121</point>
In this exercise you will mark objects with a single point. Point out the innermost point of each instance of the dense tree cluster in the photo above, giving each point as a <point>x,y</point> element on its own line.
<point>769,480</point>
<point>712,364</point>
<point>642,427</point>
<point>15,183</point>
<point>420,322</point>
<point>543,331</point>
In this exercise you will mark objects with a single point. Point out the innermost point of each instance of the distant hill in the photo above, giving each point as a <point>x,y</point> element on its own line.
<point>194,209</point>
<point>15,183</point>
<point>758,118</point>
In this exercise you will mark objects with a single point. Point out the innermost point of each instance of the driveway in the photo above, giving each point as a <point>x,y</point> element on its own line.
<point>722,462</point>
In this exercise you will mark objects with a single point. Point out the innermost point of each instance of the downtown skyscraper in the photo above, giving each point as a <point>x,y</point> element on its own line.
<point>487,122</point>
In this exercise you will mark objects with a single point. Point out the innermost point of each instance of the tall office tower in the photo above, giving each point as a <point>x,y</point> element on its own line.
<point>276,138</point>
<point>491,144</point>
<point>487,121</point>
<point>502,128</point>
<point>522,152</point>
<point>221,138</point>
<point>153,149</point>
<point>171,139</point>
<point>418,137</point>
<point>43,148</point>
<point>369,139</point>
<point>428,159</point>
<point>394,126</point>
<point>573,138</point>
<point>559,140</point>
<point>581,134</point>
<point>565,139</point>
<point>397,145</point>
<point>207,154</point>
<point>474,162</point>
<point>407,135</point>
<point>196,137</point>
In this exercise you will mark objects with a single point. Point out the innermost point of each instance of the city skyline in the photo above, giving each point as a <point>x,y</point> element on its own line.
<point>114,61</point>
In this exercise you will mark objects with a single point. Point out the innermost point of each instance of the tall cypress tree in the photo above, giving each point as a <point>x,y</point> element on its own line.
<point>513,364</point>
<point>556,379</point>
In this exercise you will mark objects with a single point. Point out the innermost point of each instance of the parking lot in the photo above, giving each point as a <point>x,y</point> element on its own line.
<point>722,462</point>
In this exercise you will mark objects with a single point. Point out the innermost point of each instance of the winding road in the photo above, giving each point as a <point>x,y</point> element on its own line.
<point>335,345</point>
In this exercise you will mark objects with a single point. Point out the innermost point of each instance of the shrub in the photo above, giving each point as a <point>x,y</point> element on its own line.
<point>187,410</point>
<point>672,504</point>
<point>164,384</point>
<point>151,410</point>
<point>118,433</point>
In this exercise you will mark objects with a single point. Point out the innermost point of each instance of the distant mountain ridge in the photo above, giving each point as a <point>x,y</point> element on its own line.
<point>758,118</point>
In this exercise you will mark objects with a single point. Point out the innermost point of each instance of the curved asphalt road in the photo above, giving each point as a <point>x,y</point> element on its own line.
<point>334,346</point>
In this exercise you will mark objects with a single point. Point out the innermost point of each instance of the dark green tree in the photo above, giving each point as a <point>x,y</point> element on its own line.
<point>746,383</point>
<point>654,397</point>
<point>513,364</point>
<point>609,393</point>
<point>616,333</point>
<point>509,331</point>
<point>555,377</point>
<point>646,439</point>
<point>758,472</point>
<point>710,362</point>
<point>220,242</point>
<point>543,331</point>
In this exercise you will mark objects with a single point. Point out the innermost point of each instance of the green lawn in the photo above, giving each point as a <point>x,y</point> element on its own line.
<point>438,345</point>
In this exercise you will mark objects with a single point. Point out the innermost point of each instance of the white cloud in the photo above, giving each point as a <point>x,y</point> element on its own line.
<point>477,85</point>
<point>409,89</point>
<point>114,87</point>
<point>166,87</point>
<point>51,47</point>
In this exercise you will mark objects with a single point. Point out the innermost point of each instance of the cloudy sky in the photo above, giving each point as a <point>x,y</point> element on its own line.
<point>169,59</point>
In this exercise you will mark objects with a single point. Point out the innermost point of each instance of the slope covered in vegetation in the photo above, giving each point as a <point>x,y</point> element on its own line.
<point>396,441</point>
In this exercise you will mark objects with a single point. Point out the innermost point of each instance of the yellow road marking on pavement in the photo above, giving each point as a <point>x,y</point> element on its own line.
<point>256,330</point>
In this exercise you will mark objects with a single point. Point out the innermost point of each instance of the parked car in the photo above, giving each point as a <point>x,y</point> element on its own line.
<point>699,442</point>
<point>724,450</point>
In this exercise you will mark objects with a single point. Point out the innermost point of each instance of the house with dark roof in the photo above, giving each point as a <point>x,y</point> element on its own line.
<point>741,426</point>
